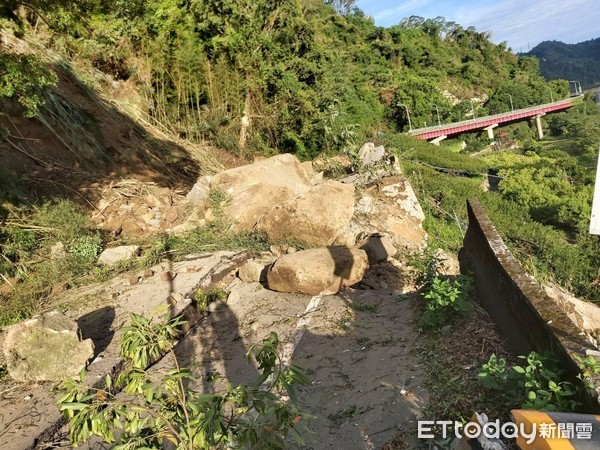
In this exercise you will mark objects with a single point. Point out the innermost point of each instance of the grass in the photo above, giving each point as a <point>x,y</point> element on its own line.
<point>451,361</point>
<point>204,298</point>
<point>423,153</point>
<point>443,199</point>
<point>29,233</point>
<point>547,252</point>
<point>26,238</point>
<point>344,415</point>
<point>344,323</point>
<point>451,364</point>
<point>564,144</point>
<point>364,307</point>
<point>454,145</point>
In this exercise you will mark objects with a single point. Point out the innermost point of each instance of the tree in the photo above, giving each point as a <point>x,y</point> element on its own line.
<point>26,78</point>
<point>345,7</point>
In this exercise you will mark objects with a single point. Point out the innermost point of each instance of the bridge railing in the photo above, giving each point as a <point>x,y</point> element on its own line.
<point>494,116</point>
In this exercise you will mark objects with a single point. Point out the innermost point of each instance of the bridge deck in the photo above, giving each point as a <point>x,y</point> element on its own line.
<point>496,119</point>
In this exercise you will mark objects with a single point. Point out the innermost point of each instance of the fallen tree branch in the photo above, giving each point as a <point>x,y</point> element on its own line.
<point>34,158</point>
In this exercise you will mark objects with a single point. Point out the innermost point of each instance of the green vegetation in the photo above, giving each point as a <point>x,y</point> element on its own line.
<point>299,76</point>
<point>447,161</point>
<point>467,368</point>
<point>26,256</point>
<point>590,369</point>
<point>38,274</point>
<point>449,357</point>
<point>159,407</point>
<point>534,385</point>
<point>204,298</point>
<point>25,78</point>
<point>569,61</point>
<point>542,208</point>
<point>445,299</point>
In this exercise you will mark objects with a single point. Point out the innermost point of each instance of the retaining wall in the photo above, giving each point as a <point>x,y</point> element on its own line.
<point>523,313</point>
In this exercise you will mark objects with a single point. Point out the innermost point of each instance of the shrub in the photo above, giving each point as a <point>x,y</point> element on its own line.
<point>86,247</point>
<point>26,78</point>
<point>160,408</point>
<point>426,264</point>
<point>590,369</point>
<point>545,251</point>
<point>204,298</point>
<point>18,243</point>
<point>445,300</point>
<point>414,149</point>
<point>534,385</point>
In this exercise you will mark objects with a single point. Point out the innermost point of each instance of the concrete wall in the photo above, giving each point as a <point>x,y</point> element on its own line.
<point>521,310</point>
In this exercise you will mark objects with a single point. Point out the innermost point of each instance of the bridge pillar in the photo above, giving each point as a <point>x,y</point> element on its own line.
<point>437,140</point>
<point>538,123</point>
<point>490,131</point>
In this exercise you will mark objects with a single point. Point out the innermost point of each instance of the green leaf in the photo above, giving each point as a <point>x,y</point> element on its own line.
<point>73,406</point>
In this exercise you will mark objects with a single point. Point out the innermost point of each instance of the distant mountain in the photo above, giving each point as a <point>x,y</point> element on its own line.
<point>569,61</point>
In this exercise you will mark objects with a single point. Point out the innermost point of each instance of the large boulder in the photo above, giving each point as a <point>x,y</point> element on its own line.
<point>46,348</point>
<point>324,270</point>
<point>388,205</point>
<point>117,254</point>
<point>585,315</point>
<point>254,189</point>
<point>315,217</point>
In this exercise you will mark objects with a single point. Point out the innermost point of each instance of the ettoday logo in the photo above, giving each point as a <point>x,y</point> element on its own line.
<point>508,430</point>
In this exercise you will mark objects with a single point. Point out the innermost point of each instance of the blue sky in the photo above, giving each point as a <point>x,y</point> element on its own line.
<point>521,23</point>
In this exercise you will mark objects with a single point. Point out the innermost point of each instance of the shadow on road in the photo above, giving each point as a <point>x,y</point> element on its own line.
<point>97,326</point>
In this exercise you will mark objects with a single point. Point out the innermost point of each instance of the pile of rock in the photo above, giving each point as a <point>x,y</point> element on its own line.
<point>283,197</point>
<point>132,208</point>
<point>363,219</point>
<point>371,214</point>
<point>350,224</point>
<point>389,206</point>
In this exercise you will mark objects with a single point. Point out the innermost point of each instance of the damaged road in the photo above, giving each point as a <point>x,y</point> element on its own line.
<point>359,348</point>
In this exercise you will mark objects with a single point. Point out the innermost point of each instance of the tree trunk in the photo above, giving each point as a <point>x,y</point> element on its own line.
<point>246,121</point>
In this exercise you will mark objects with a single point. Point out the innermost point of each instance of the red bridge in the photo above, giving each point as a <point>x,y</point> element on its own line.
<point>488,123</point>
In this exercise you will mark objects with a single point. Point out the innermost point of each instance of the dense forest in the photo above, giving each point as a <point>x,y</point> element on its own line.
<point>579,61</point>
<point>296,76</point>
<point>319,77</point>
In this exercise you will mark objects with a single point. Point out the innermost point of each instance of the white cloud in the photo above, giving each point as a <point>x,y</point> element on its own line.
<point>403,9</point>
<point>517,21</point>
<point>522,23</point>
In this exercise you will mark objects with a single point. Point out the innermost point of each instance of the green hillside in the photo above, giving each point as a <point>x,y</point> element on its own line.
<point>308,76</point>
<point>569,61</point>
